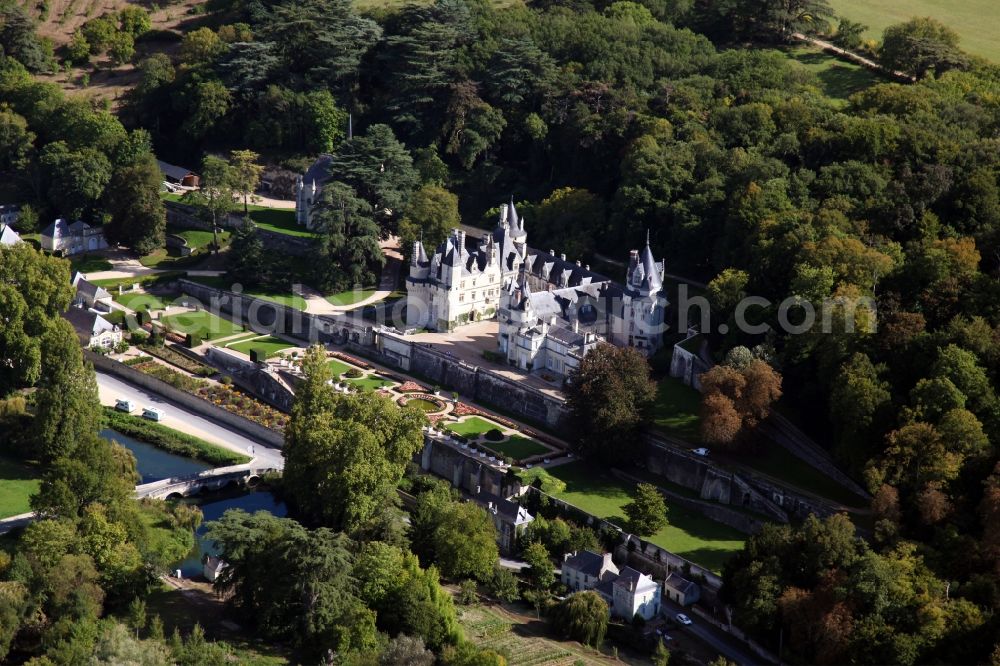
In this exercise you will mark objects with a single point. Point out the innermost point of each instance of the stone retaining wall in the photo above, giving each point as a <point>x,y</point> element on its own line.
<point>185,399</point>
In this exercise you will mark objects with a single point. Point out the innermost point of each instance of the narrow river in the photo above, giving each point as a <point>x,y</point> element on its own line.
<point>154,464</point>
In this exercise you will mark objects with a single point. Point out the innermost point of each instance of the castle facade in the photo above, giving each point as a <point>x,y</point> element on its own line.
<point>550,311</point>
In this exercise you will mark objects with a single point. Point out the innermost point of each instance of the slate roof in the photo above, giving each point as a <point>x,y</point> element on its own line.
<point>319,171</point>
<point>87,288</point>
<point>8,236</point>
<point>172,170</point>
<point>680,584</point>
<point>86,322</point>
<point>558,271</point>
<point>631,579</point>
<point>57,228</point>
<point>510,512</point>
<point>586,562</point>
<point>606,588</point>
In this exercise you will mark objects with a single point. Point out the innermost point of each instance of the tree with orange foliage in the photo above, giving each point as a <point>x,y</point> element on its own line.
<point>735,400</point>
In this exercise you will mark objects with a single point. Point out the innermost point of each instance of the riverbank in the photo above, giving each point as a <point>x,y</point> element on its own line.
<point>171,440</point>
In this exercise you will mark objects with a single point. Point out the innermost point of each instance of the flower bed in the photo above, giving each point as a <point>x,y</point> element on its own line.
<point>350,359</point>
<point>410,387</point>
<point>172,377</point>
<point>174,357</point>
<point>424,401</point>
<point>237,402</point>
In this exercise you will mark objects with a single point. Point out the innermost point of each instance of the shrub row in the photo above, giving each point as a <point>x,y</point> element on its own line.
<point>170,440</point>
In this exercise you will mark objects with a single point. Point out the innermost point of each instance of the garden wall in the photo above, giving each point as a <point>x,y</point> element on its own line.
<point>461,469</point>
<point>186,400</point>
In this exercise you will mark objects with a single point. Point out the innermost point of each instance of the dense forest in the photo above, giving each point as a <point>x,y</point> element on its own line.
<point>608,120</point>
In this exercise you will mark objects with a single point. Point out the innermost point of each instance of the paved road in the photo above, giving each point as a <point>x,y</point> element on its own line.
<point>178,418</point>
<point>713,637</point>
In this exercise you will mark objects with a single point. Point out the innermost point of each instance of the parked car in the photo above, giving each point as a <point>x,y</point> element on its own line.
<point>684,619</point>
<point>123,405</point>
<point>700,451</point>
<point>152,413</point>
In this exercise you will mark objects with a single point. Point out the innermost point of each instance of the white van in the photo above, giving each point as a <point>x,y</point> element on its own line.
<point>152,413</point>
<point>123,405</point>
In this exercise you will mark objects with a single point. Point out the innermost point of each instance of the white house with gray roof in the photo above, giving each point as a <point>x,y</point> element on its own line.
<point>585,570</point>
<point>89,295</point>
<point>70,239</point>
<point>510,519</point>
<point>631,593</point>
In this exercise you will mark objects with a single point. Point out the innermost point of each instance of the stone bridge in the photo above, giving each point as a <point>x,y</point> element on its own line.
<point>212,479</point>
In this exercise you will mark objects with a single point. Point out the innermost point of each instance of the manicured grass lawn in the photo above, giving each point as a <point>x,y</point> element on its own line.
<point>516,447</point>
<point>198,239</point>
<point>272,295</point>
<point>169,258</point>
<point>425,406</point>
<point>676,409</point>
<point>974,20</point>
<point>370,383</point>
<point>473,427</point>
<point>837,78</point>
<point>281,220</point>
<point>350,297</point>
<point>688,534</point>
<point>142,301</point>
<point>337,367</point>
<point>18,482</point>
<point>205,324</point>
<point>89,264</point>
<point>775,461</point>
<point>268,344</point>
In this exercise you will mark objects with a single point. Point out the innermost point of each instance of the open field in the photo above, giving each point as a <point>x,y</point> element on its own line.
<point>269,345</point>
<point>837,78</point>
<point>18,482</point>
<point>489,627</point>
<point>676,409</point>
<point>688,534</point>
<point>974,20</point>
<point>202,323</point>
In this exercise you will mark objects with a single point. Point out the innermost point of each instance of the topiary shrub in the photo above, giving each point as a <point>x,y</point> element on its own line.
<point>353,373</point>
<point>257,356</point>
<point>494,435</point>
<point>192,340</point>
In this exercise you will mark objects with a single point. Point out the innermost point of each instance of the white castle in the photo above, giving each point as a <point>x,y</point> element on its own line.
<point>551,311</point>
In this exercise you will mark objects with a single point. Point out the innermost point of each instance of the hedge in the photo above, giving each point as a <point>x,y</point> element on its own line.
<point>170,440</point>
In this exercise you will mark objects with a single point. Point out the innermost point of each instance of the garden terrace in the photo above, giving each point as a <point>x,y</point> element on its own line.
<point>266,346</point>
<point>427,403</point>
<point>200,323</point>
<point>500,440</point>
<point>687,534</point>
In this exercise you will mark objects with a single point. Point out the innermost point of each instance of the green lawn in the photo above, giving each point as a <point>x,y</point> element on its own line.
<point>974,20</point>
<point>337,367</point>
<point>202,323</point>
<point>18,482</point>
<point>198,239</point>
<point>688,534</point>
<point>272,295</point>
<point>370,383</point>
<point>268,344</point>
<point>281,220</point>
<point>350,297</point>
<point>837,78</point>
<point>143,301</point>
<point>89,264</point>
<point>676,409</point>
<point>473,426</point>
<point>516,447</point>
